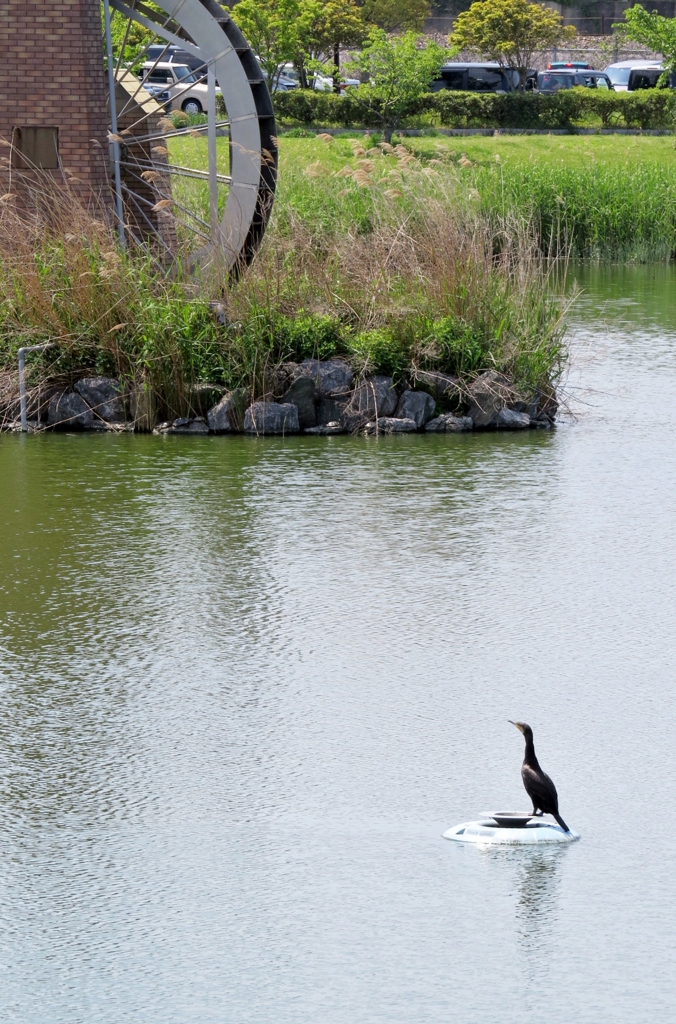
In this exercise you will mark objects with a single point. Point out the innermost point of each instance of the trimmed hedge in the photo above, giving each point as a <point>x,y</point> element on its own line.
<point>650,108</point>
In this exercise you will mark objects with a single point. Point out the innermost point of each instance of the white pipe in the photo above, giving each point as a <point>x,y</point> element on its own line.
<point>22,379</point>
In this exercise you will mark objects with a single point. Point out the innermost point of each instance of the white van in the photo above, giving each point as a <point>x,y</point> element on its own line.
<point>186,90</point>
<point>619,73</point>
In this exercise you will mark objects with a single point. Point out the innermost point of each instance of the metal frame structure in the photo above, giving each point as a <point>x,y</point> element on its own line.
<point>204,29</point>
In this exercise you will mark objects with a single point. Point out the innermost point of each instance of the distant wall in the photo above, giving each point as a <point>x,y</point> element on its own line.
<point>592,19</point>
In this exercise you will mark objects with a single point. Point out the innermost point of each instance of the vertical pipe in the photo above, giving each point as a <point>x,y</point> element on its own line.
<point>113,126</point>
<point>22,389</point>
<point>213,165</point>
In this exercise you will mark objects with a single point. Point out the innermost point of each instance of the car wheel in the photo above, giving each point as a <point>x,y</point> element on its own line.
<point>191,107</point>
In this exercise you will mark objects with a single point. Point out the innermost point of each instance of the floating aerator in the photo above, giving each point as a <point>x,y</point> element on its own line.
<point>512,828</point>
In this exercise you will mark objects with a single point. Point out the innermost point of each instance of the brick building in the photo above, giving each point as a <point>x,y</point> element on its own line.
<point>53,93</point>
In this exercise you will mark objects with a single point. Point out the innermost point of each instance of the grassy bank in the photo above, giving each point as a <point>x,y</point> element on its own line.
<point>386,262</point>
<point>598,197</point>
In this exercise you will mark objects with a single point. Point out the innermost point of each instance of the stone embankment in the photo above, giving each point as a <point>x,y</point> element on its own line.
<point>315,397</point>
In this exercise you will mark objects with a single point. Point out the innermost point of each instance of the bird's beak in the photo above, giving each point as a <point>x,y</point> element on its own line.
<point>516,724</point>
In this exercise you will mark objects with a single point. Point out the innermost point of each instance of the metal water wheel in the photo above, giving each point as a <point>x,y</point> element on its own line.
<point>201,192</point>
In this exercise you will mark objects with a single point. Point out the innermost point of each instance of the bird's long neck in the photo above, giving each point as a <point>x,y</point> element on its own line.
<point>529,756</point>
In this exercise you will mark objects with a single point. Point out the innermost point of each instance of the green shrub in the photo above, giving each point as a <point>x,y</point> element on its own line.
<point>570,108</point>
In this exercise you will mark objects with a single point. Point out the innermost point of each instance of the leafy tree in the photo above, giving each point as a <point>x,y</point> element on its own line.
<point>654,31</point>
<point>271,28</point>
<point>511,32</point>
<point>399,70</point>
<point>340,23</point>
<point>397,15</point>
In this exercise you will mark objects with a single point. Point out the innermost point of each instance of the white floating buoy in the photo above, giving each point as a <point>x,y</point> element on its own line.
<point>509,828</point>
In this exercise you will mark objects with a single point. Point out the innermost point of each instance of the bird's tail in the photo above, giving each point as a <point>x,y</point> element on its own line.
<point>560,821</point>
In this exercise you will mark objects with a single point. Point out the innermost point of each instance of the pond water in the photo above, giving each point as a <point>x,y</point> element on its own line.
<point>246,684</point>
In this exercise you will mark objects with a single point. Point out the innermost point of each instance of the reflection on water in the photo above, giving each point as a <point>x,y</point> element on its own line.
<point>246,685</point>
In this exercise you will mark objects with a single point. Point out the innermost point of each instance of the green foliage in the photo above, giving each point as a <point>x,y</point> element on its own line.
<point>645,109</point>
<point>511,32</point>
<point>399,70</point>
<point>272,29</point>
<point>652,30</point>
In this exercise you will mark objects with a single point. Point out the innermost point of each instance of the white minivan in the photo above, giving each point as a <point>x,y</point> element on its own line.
<point>185,90</point>
<point>619,73</point>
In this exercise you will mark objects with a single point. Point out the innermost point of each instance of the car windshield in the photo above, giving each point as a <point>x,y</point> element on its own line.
<point>619,76</point>
<point>184,74</point>
<point>550,81</point>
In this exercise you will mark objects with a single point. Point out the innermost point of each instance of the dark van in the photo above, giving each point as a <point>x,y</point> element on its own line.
<point>647,78</point>
<point>476,78</point>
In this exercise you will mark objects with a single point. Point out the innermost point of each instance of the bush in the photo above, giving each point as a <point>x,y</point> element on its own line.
<point>570,108</point>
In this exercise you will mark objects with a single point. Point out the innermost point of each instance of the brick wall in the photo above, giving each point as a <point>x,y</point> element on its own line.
<point>52,73</point>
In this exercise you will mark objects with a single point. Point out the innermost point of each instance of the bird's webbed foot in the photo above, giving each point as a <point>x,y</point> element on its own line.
<point>536,813</point>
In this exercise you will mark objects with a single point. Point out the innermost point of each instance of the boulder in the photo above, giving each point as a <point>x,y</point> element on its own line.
<point>302,395</point>
<point>487,395</point>
<point>331,376</point>
<point>183,425</point>
<point>104,396</point>
<point>327,428</point>
<point>391,425</point>
<point>510,419</point>
<point>376,396</point>
<point>68,409</point>
<point>229,413</point>
<point>450,424</point>
<point>271,418</point>
<point>330,410</point>
<point>416,405</point>
<point>203,397</point>
<point>442,385</point>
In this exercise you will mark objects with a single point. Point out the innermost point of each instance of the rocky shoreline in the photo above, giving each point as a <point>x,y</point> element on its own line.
<point>314,397</point>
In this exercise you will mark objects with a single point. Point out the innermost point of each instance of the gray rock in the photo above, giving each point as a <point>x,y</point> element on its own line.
<point>450,424</point>
<point>391,425</point>
<point>302,395</point>
<point>416,405</point>
<point>375,397</point>
<point>487,395</point>
<point>271,418</point>
<point>183,425</point>
<point>104,396</point>
<point>203,397</point>
<point>327,428</point>
<point>229,413</point>
<point>68,409</point>
<point>510,419</point>
<point>331,376</point>
<point>330,410</point>
<point>442,385</point>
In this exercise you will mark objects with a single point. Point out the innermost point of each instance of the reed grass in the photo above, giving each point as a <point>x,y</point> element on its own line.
<point>389,263</point>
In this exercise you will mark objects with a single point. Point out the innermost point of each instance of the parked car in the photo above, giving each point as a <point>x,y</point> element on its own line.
<point>186,90</point>
<point>175,55</point>
<point>577,64</point>
<point>321,83</point>
<point>476,78</point>
<point>619,73</point>
<point>647,78</point>
<point>553,81</point>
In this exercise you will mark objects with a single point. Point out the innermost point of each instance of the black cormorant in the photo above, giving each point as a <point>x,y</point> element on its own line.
<point>539,786</point>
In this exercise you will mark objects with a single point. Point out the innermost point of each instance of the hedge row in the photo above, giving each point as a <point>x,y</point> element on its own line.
<point>650,108</point>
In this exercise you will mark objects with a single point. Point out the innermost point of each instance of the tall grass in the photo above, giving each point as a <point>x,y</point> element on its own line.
<point>388,263</point>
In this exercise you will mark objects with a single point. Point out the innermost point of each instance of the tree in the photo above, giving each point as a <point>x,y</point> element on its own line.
<point>654,31</point>
<point>271,29</point>
<point>399,71</point>
<point>340,23</point>
<point>511,32</point>
<point>397,15</point>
